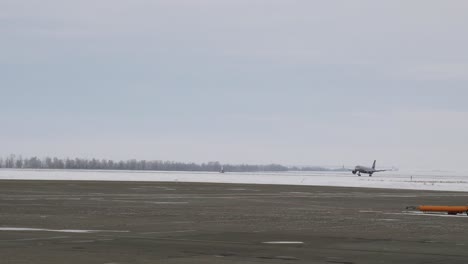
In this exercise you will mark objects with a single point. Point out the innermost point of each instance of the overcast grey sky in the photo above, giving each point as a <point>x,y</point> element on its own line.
<point>290,82</point>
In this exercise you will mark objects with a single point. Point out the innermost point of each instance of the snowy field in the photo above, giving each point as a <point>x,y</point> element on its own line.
<point>443,181</point>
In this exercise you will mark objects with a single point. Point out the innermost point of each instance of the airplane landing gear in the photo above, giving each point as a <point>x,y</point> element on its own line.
<point>359,174</point>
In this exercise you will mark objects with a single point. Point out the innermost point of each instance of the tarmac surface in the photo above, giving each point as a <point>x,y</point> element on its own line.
<point>150,222</point>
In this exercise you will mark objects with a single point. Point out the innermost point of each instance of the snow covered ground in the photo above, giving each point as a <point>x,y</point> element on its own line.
<point>443,181</point>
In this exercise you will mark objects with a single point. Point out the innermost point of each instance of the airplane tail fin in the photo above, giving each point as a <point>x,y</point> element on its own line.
<point>373,165</point>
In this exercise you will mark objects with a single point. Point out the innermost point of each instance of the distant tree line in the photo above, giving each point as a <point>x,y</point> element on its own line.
<point>18,162</point>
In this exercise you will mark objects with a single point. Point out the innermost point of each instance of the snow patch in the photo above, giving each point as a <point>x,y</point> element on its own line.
<point>438,181</point>
<point>283,242</point>
<point>57,230</point>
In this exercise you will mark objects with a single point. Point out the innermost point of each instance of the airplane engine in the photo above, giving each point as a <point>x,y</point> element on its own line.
<point>354,172</point>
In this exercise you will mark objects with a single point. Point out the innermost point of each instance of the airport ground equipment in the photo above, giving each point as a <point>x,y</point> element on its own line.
<point>449,209</point>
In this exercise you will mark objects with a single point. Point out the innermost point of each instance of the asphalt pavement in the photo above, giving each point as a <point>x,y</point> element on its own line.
<point>150,222</point>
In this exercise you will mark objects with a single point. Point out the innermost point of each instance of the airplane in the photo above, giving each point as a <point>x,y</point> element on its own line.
<point>362,169</point>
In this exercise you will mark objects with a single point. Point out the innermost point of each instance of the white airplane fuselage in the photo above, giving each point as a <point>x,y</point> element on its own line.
<point>363,169</point>
<point>366,170</point>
